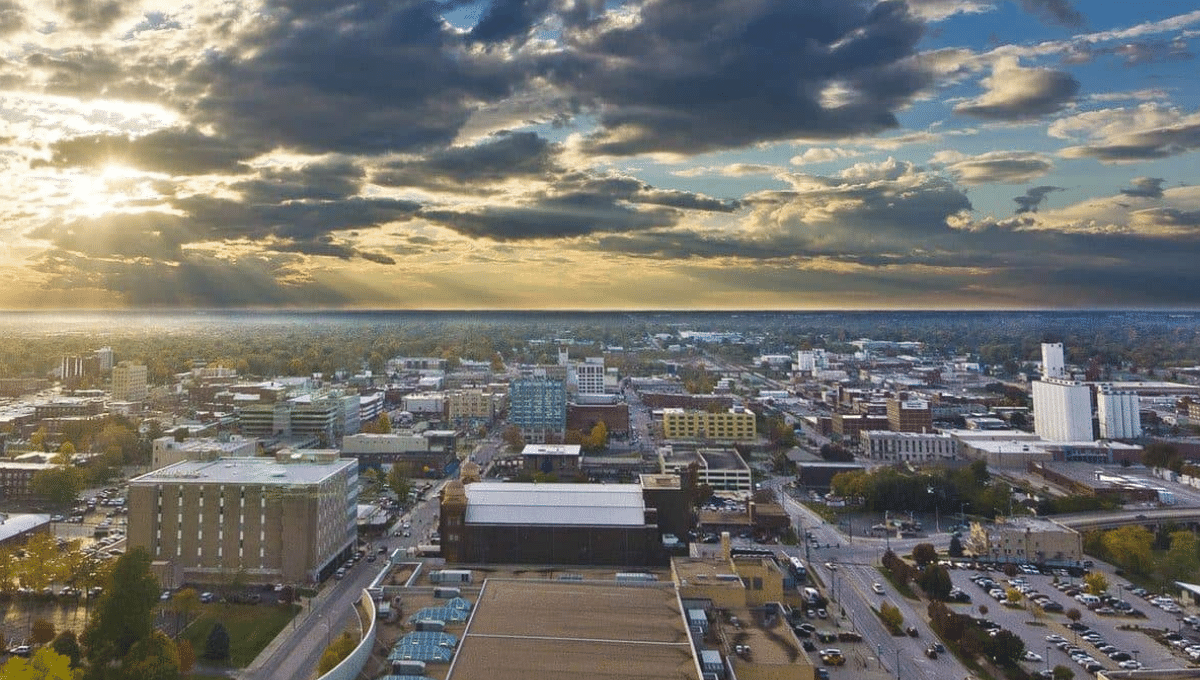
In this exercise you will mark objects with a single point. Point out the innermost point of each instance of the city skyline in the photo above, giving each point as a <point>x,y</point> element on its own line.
<point>582,154</point>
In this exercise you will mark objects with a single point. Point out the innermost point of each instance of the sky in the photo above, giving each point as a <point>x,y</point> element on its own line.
<point>592,154</point>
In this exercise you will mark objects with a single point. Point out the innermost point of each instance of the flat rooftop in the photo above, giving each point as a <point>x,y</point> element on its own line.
<point>722,459</point>
<point>555,504</point>
<point>552,450</point>
<point>259,470</point>
<point>539,629</point>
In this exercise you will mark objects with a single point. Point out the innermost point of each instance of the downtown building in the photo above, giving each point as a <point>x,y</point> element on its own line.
<point>129,382</point>
<point>1118,413</point>
<point>288,519</point>
<point>538,407</point>
<point>1062,410</point>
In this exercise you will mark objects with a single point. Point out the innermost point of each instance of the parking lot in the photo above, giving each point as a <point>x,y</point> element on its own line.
<point>1123,632</point>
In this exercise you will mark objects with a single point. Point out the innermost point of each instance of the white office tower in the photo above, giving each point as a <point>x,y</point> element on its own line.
<point>1062,410</point>
<point>811,359</point>
<point>1118,413</point>
<point>1053,365</point>
<point>590,375</point>
<point>105,356</point>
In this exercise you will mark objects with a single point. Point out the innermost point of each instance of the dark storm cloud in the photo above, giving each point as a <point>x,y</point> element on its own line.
<point>91,15</point>
<point>1145,187</point>
<point>173,151</point>
<point>516,155</point>
<point>999,167</point>
<point>391,77</point>
<point>507,19</point>
<point>1033,198</point>
<point>696,75</point>
<point>152,235</point>
<point>12,17</point>
<point>1059,12</point>
<point>304,221</point>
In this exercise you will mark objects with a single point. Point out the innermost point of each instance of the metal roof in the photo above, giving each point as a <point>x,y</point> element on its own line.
<point>555,504</point>
<point>439,614</point>
<point>424,646</point>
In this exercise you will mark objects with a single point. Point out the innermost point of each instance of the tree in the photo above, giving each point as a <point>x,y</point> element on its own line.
<point>1183,557</point>
<point>924,553</point>
<point>891,617</point>
<point>338,650</point>
<point>154,657</point>
<point>186,602</point>
<point>1131,547</point>
<point>46,664</point>
<point>187,655</point>
<point>216,647</point>
<point>1095,583</point>
<point>1010,570</point>
<point>1074,614</point>
<point>60,485</point>
<point>597,439</point>
<point>513,438</point>
<point>1062,672</point>
<point>41,564</point>
<point>67,644</point>
<point>1013,596</point>
<point>124,614</point>
<point>398,481</point>
<point>935,581</point>
<point>41,631</point>
<point>956,547</point>
<point>1005,648</point>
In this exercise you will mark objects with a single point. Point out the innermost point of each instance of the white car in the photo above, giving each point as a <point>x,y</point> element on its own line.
<point>878,588</point>
<point>1031,656</point>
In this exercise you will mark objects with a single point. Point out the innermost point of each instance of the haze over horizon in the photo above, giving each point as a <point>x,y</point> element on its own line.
<point>592,154</point>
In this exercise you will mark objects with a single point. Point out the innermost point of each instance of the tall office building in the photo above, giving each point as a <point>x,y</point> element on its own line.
<point>1062,410</point>
<point>1053,365</point>
<point>1118,413</point>
<point>129,382</point>
<point>589,375</point>
<point>291,519</point>
<point>538,406</point>
<point>105,357</point>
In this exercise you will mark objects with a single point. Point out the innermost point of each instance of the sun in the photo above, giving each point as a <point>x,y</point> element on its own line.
<point>111,189</point>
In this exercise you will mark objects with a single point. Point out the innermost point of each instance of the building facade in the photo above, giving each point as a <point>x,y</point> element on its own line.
<point>291,519</point>
<point>166,451</point>
<point>1062,410</point>
<point>129,382</point>
<point>589,375</point>
<point>909,415</point>
<point>907,446</point>
<point>538,407</point>
<point>1053,362</point>
<point>1118,413</point>
<point>730,425</point>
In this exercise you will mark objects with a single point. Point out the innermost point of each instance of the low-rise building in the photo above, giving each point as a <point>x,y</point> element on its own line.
<point>1030,540</point>
<point>167,451</point>
<point>730,425</point>
<point>907,446</point>
<point>722,469</point>
<point>560,460</point>
<point>16,480</point>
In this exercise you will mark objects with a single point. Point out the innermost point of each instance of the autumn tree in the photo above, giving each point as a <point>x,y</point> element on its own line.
<point>1095,583</point>
<point>338,650</point>
<point>60,485</point>
<point>1074,614</point>
<point>891,617</point>
<point>185,603</point>
<point>154,657</point>
<point>513,438</point>
<point>1131,547</point>
<point>398,481</point>
<point>46,664</point>
<point>1182,560</point>
<point>924,553</point>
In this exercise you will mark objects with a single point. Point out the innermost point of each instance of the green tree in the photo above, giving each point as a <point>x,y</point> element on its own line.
<point>956,547</point>
<point>154,657</point>
<point>60,485</point>
<point>216,647</point>
<point>1005,648</point>
<point>1095,583</point>
<point>186,603</point>
<point>46,664</point>
<point>935,581</point>
<point>1130,546</point>
<point>41,631</point>
<point>338,650</point>
<point>924,553</point>
<point>41,564</point>
<point>124,614</point>
<point>1013,596</point>
<point>1062,672</point>
<point>398,481</point>
<point>67,644</point>
<point>1182,560</point>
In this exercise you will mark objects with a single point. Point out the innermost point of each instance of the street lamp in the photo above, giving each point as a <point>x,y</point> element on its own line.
<point>1047,659</point>
<point>1135,653</point>
<point>897,663</point>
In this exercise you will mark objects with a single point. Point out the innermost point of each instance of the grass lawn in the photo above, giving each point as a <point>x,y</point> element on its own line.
<point>251,628</point>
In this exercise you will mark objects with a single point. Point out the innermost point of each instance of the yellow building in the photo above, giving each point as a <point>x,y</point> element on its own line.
<point>129,382</point>
<point>731,425</point>
<point>470,404</point>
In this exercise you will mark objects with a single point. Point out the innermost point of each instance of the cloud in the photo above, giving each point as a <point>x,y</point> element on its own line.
<point>1059,12</point>
<point>92,16</point>
<point>392,77</point>
<point>730,170</point>
<point>12,17</point>
<point>994,167</point>
<point>1017,93</point>
<point>1033,198</point>
<point>172,151</point>
<point>502,157</point>
<point>1122,135</point>
<point>1145,187</point>
<point>688,76</point>
<point>937,10</point>
<point>822,155</point>
<point>1134,52</point>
